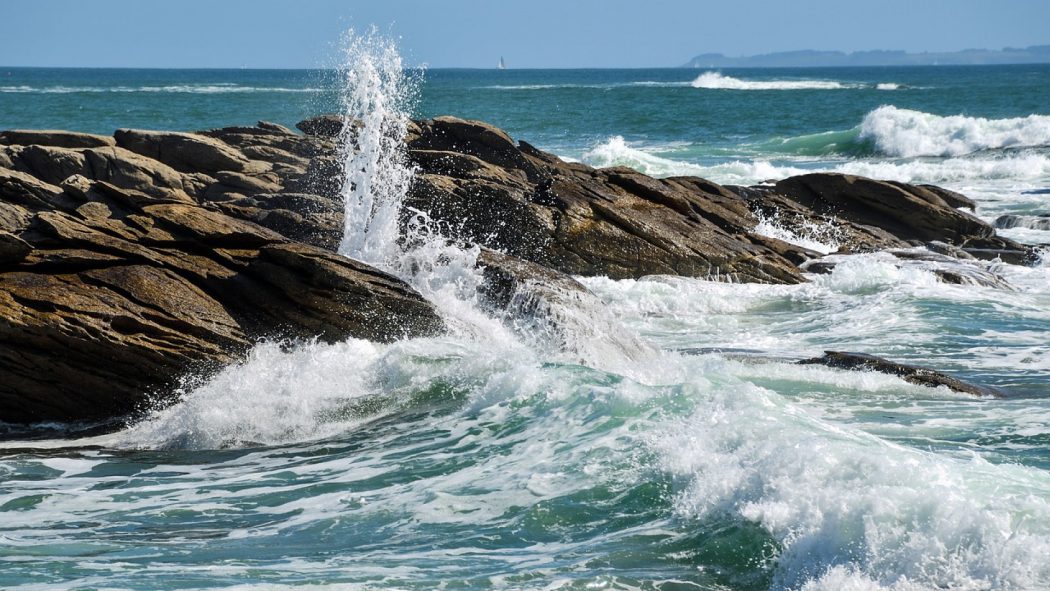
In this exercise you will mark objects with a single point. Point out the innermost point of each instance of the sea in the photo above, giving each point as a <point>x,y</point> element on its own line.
<point>658,437</point>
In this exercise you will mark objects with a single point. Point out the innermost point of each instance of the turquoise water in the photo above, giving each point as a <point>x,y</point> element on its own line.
<point>622,452</point>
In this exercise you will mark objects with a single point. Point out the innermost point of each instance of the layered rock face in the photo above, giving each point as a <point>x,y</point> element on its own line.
<point>119,274</point>
<point>623,224</point>
<point>129,262</point>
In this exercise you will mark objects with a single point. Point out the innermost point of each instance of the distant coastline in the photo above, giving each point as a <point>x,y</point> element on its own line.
<point>1036,54</point>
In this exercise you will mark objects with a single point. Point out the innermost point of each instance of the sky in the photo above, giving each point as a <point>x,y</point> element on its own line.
<point>475,33</point>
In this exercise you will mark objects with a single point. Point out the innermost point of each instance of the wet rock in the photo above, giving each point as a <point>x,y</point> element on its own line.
<point>583,221</point>
<point>909,373</point>
<point>326,126</point>
<point>1034,222</point>
<point>908,212</point>
<point>110,296</point>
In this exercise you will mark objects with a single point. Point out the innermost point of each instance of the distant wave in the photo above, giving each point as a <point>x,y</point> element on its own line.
<point>641,83</point>
<point>709,80</point>
<point>177,88</point>
<point>714,80</point>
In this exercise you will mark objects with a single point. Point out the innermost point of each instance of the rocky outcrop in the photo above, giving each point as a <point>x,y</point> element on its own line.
<point>620,223</point>
<point>909,373</point>
<point>122,278</point>
<point>128,263</point>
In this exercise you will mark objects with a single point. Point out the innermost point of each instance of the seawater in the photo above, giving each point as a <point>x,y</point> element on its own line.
<point>658,437</point>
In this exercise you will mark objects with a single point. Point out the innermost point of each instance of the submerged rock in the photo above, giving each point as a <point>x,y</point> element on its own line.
<point>909,373</point>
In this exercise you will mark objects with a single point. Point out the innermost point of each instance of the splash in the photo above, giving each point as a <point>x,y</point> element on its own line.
<point>820,237</point>
<point>377,97</point>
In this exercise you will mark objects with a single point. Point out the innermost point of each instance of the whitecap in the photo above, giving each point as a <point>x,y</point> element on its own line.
<point>715,80</point>
<point>906,133</point>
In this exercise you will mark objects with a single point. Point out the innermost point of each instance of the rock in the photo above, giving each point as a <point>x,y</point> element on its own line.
<point>949,250</point>
<point>507,277</point>
<point>909,373</point>
<point>55,138</point>
<point>819,267</point>
<point>129,170</point>
<point>1035,222</point>
<point>274,127</point>
<point>474,138</point>
<point>953,199</point>
<point>553,311</point>
<point>12,248</point>
<point>582,221</point>
<point>109,297</point>
<point>326,126</point>
<point>186,152</point>
<point>908,212</point>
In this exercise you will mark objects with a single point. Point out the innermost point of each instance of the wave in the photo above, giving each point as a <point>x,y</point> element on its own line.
<point>715,80</point>
<point>175,88</point>
<point>641,83</point>
<point>904,133</point>
<point>616,151</point>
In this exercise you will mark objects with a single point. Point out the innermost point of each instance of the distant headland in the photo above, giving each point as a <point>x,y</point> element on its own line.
<point>1036,54</point>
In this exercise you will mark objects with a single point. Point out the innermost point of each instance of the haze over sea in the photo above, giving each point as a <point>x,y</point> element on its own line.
<point>647,456</point>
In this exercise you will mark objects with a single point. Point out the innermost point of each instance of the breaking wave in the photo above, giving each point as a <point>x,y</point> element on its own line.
<point>715,80</point>
<point>904,133</point>
<point>616,151</point>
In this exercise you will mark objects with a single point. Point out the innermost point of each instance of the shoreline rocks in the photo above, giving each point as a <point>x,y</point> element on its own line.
<point>130,262</point>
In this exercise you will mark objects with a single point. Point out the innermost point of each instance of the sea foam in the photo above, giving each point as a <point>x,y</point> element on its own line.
<point>906,133</point>
<point>715,80</point>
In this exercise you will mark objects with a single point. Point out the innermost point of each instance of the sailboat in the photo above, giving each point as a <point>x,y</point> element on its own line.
<point>502,64</point>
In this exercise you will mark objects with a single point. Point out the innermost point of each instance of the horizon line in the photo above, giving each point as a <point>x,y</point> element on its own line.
<point>526,69</point>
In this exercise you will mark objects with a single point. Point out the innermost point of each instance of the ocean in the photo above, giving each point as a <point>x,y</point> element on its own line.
<point>665,439</point>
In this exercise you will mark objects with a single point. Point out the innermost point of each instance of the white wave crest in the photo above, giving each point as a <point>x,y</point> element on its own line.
<point>1021,167</point>
<point>854,511</point>
<point>615,152</point>
<point>1025,166</point>
<point>888,86</point>
<point>906,133</point>
<point>715,80</point>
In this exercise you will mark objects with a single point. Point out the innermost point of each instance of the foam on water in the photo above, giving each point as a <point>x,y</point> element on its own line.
<point>848,507</point>
<point>907,133</point>
<point>715,80</point>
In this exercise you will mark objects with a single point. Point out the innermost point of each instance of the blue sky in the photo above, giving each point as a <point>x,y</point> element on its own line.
<point>474,33</point>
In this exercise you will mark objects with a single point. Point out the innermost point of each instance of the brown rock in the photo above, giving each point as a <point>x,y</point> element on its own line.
<point>186,152</point>
<point>56,138</point>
